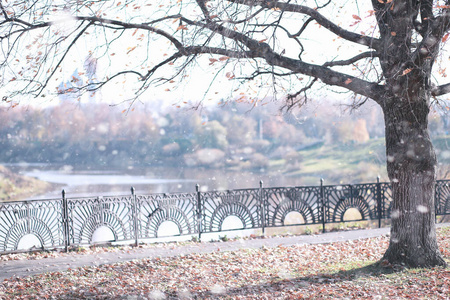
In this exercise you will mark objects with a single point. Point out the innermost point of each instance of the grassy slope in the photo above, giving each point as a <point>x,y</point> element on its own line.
<point>357,162</point>
<point>16,187</point>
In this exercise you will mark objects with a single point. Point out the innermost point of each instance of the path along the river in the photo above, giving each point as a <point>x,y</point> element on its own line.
<point>27,267</point>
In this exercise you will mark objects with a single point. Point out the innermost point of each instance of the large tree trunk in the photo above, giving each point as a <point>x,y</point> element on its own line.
<point>411,164</point>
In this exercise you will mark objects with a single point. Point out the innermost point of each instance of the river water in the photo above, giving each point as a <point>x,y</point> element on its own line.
<point>105,182</point>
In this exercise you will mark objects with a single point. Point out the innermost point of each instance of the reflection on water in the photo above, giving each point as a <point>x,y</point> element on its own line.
<point>76,179</point>
<point>89,183</point>
<point>82,183</point>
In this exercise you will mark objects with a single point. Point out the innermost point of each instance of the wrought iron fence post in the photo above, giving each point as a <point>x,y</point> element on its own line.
<point>379,203</point>
<point>322,200</point>
<point>262,208</point>
<point>436,200</point>
<point>135,214</point>
<point>199,212</point>
<point>65,221</point>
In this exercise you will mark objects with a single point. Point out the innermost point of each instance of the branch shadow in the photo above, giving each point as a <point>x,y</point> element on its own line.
<point>276,284</point>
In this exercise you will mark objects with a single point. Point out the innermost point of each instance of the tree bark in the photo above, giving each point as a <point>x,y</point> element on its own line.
<point>411,165</point>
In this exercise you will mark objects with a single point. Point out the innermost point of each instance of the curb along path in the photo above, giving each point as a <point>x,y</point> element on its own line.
<point>27,267</point>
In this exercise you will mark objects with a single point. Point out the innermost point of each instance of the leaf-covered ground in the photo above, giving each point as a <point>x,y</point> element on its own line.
<point>328,271</point>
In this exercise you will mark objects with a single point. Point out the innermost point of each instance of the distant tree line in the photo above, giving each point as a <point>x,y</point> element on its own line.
<point>233,136</point>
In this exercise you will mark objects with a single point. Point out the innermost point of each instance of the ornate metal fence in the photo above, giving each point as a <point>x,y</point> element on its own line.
<point>153,210</point>
<point>42,219</point>
<point>442,198</point>
<point>69,222</point>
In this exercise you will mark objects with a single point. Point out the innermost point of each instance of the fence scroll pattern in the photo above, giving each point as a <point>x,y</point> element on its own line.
<point>69,222</point>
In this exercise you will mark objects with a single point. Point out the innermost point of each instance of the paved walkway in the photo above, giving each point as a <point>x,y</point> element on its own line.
<point>21,268</point>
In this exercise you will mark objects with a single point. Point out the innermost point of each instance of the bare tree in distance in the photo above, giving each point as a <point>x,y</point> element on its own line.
<point>391,50</point>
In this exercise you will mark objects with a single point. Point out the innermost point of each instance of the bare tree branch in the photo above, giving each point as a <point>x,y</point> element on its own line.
<point>96,20</point>
<point>352,60</point>
<point>440,90</point>
<point>314,14</point>
<point>92,87</point>
<point>263,50</point>
<point>243,44</point>
<point>257,49</point>
<point>5,14</point>
<point>292,100</point>
<point>164,62</point>
<point>247,18</point>
<point>330,77</point>
<point>63,57</point>
<point>201,4</point>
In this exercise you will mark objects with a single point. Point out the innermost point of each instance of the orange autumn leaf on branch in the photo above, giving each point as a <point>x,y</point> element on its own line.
<point>406,71</point>
<point>357,18</point>
<point>445,38</point>
<point>130,49</point>
<point>182,27</point>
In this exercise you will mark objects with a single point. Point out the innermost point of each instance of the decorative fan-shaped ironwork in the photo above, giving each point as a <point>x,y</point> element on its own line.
<point>243,204</point>
<point>157,209</point>
<point>161,215</point>
<point>86,215</point>
<point>443,197</point>
<point>341,198</point>
<point>353,202</point>
<point>282,201</point>
<point>103,219</point>
<point>24,227</point>
<point>39,218</point>
<point>386,199</point>
<point>231,209</point>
